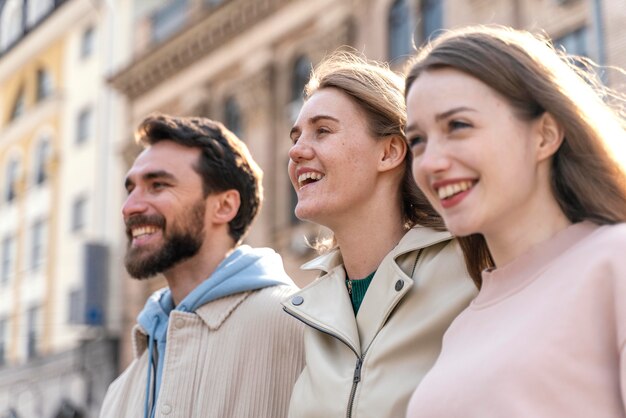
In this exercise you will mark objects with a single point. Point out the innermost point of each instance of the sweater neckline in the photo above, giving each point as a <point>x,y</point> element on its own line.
<point>502,282</point>
<point>357,289</point>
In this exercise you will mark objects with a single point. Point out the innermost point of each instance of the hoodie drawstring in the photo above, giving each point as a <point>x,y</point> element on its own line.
<point>149,386</point>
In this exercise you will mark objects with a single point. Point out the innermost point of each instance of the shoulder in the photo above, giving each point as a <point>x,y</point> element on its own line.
<point>265,304</point>
<point>250,312</point>
<point>436,252</point>
<point>263,309</point>
<point>422,237</point>
<point>597,261</point>
<point>607,243</point>
<point>437,249</point>
<point>441,270</point>
<point>443,265</point>
<point>610,240</point>
<point>610,236</point>
<point>274,293</point>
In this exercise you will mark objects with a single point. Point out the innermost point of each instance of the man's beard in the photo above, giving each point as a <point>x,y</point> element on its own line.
<point>179,244</point>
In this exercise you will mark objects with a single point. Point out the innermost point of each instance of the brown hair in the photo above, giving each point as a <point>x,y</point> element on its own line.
<point>587,180</point>
<point>224,163</point>
<point>378,93</point>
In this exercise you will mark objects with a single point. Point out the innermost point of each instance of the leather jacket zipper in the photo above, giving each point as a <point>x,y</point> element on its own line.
<point>359,360</point>
<point>355,383</point>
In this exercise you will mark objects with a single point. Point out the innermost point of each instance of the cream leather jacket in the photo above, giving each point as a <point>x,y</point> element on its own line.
<point>368,366</point>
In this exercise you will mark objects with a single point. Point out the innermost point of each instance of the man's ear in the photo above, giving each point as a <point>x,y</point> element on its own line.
<point>225,206</point>
<point>551,136</point>
<point>394,151</point>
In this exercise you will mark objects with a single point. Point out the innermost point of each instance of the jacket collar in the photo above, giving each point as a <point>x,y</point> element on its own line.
<point>325,305</point>
<point>213,314</point>
<point>331,310</point>
<point>140,342</point>
<point>416,238</point>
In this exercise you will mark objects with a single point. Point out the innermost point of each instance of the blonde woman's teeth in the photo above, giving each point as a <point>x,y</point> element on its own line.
<point>308,177</point>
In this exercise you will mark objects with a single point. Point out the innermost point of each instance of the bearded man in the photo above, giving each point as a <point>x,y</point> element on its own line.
<point>215,342</point>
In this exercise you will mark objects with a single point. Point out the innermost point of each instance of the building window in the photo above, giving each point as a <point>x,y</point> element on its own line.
<point>41,161</point>
<point>301,74</point>
<point>11,23</point>
<point>44,84</point>
<point>38,244</point>
<point>11,181</point>
<point>168,20</point>
<point>575,42</point>
<point>32,319</point>
<point>79,213</point>
<point>87,42</point>
<point>3,341</point>
<point>300,77</point>
<point>432,19</point>
<point>19,104</point>
<point>232,116</point>
<point>83,125</point>
<point>400,39</point>
<point>76,307</point>
<point>293,202</point>
<point>213,3</point>
<point>8,259</point>
<point>37,10</point>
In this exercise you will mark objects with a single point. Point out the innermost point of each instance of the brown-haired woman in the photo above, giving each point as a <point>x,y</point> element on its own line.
<point>520,153</point>
<point>394,278</point>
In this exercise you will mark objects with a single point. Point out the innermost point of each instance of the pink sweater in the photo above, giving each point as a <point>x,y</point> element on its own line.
<point>545,337</point>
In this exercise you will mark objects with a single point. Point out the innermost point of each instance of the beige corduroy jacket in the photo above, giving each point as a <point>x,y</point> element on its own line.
<point>368,366</point>
<point>235,357</point>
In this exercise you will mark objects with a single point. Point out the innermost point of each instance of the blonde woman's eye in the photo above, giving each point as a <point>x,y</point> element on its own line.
<point>322,130</point>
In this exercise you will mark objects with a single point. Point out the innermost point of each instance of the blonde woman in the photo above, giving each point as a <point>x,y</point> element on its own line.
<point>394,278</point>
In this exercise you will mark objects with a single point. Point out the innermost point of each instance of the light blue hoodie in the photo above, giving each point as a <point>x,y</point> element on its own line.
<point>244,269</point>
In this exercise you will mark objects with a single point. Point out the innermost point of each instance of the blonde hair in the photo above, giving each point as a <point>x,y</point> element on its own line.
<point>379,93</point>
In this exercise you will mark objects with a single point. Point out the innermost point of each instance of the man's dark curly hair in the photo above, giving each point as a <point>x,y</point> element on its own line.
<point>224,164</point>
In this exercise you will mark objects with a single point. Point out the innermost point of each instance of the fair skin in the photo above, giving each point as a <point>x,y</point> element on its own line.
<point>483,168</point>
<point>162,182</point>
<point>346,179</point>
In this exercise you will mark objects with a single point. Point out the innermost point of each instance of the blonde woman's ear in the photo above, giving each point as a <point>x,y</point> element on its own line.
<point>394,152</point>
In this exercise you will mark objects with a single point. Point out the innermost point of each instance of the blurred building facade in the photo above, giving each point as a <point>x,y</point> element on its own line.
<point>59,180</point>
<point>243,62</point>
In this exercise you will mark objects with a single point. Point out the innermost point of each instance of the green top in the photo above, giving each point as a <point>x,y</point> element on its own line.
<point>357,289</point>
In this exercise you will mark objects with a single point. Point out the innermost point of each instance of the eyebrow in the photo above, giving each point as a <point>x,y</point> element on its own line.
<point>444,115</point>
<point>410,128</point>
<point>451,112</point>
<point>151,175</point>
<point>296,129</point>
